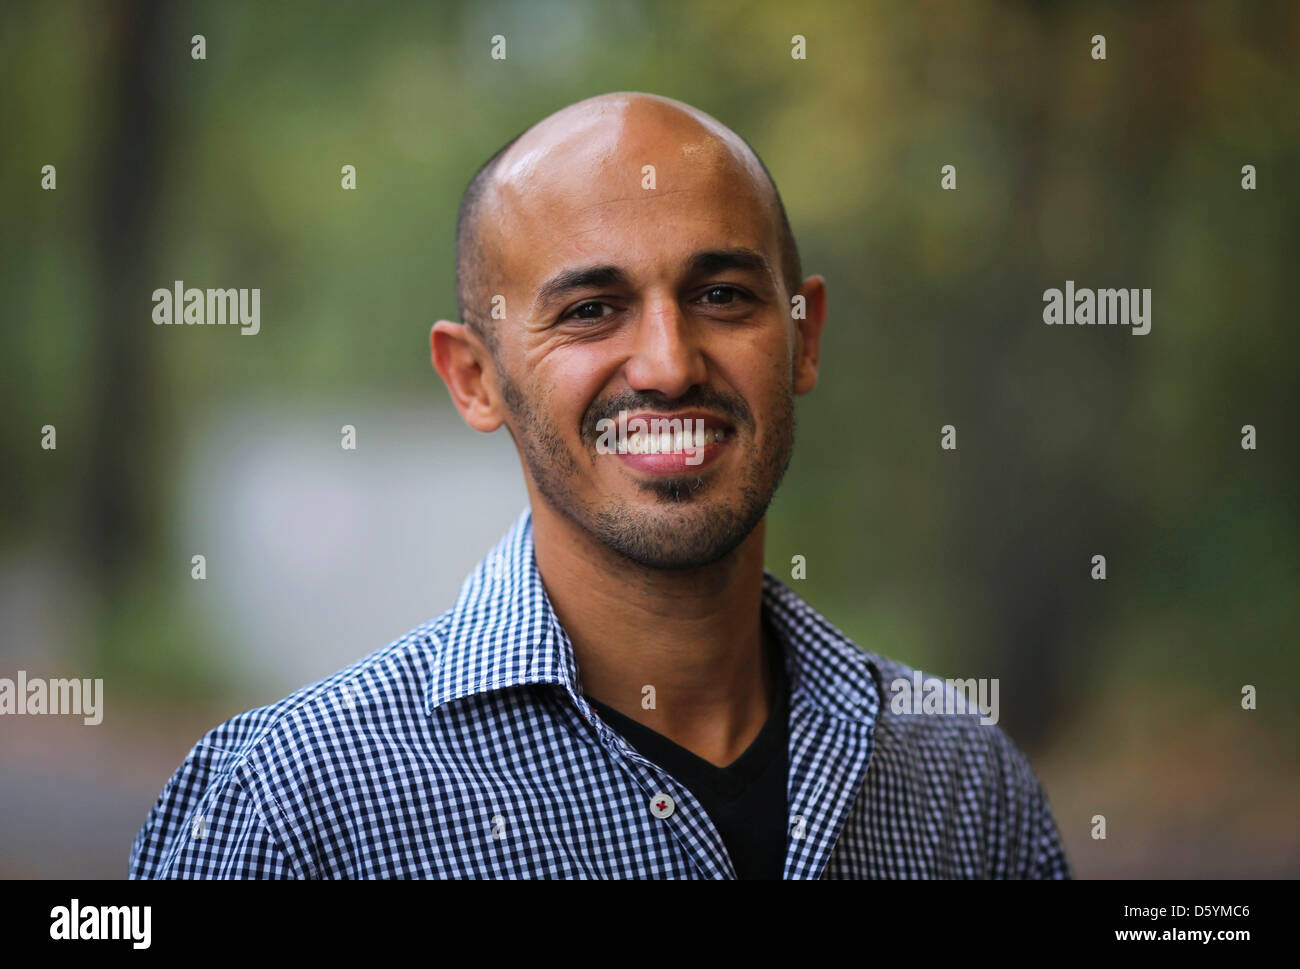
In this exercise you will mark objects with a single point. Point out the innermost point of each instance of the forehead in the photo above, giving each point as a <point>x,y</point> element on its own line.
<point>575,192</point>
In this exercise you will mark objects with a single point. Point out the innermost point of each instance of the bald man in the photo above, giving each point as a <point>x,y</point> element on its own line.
<point>621,690</point>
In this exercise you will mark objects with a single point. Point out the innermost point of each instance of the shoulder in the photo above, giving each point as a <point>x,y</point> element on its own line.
<point>383,687</point>
<point>938,738</point>
<point>925,725</point>
<point>947,725</point>
<point>914,713</point>
<point>255,777</point>
<point>387,683</point>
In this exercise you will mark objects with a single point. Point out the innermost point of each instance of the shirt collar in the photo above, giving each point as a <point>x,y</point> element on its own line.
<point>502,632</point>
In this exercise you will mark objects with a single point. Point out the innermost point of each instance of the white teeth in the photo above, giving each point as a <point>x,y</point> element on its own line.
<point>669,442</point>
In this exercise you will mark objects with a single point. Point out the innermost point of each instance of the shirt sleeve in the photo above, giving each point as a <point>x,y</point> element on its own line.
<point>1046,855</point>
<point>1029,844</point>
<point>207,824</point>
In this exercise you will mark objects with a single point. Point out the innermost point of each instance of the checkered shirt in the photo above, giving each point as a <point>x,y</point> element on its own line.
<point>466,749</point>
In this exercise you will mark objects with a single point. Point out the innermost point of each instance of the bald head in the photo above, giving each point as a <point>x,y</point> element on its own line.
<point>565,151</point>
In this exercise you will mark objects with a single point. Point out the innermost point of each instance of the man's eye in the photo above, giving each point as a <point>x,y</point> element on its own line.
<point>590,310</point>
<point>725,294</point>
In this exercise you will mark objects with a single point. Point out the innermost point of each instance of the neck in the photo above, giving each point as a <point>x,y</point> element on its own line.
<point>694,635</point>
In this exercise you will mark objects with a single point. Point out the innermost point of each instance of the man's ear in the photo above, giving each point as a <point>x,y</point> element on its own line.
<point>465,366</point>
<point>808,345</point>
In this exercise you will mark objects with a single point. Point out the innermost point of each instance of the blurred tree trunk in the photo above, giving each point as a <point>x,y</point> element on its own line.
<point>122,491</point>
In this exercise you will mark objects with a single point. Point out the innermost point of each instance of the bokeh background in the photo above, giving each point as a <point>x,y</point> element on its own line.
<point>175,441</point>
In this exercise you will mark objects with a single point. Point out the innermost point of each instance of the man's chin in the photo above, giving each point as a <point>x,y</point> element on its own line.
<point>675,533</point>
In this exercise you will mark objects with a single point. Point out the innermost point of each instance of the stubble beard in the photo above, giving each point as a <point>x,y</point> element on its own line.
<point>685,529</point>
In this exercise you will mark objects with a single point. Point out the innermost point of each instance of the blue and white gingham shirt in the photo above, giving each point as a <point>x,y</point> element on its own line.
<point>466,749</point>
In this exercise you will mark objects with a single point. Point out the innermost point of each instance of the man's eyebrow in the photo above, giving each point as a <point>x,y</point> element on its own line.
<point>739,258</point>
<point>585,278</point>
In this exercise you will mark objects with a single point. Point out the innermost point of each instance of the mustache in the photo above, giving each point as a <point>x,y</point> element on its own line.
<point>697,398</point>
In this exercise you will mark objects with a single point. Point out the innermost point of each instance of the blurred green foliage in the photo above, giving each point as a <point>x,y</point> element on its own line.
<point>1123,172</point>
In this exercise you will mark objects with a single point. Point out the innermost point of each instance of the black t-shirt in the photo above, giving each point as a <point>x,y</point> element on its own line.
<point>746,800</point>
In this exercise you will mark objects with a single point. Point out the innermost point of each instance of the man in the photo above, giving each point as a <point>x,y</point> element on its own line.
<point>620,690</point>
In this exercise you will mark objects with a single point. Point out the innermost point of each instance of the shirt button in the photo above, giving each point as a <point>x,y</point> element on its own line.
<point>661,805</point>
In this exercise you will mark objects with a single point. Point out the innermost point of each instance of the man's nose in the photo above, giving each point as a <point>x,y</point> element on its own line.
<point>666,357</point>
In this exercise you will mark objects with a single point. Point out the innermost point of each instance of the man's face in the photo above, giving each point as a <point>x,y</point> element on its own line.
<point>661,302</point>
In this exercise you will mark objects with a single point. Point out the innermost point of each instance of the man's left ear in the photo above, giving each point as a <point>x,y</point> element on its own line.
<point>812,307</point>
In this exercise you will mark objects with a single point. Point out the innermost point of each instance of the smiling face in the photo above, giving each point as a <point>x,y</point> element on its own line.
<point>661,303</point>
